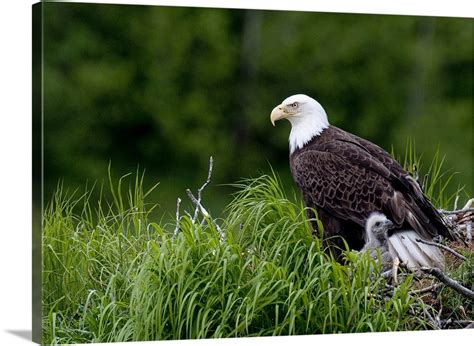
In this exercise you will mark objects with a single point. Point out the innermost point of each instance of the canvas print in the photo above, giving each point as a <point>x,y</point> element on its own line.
<point>222,173</point>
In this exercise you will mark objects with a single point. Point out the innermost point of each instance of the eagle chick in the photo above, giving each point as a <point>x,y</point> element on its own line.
<point>401,245</point>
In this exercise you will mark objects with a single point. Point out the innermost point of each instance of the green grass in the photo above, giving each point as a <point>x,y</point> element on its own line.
<point>434,179</point>
<point>110,273</point>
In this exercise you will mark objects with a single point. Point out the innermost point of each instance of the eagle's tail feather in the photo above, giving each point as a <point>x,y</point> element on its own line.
<point>413,254</point>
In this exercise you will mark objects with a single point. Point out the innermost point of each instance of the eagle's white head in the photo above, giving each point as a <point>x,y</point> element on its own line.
<point>307,117</point>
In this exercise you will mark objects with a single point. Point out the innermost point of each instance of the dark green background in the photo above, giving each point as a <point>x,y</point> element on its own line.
<point>164,88</point>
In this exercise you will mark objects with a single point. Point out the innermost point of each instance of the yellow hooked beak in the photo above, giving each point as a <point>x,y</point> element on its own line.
<point>278,113</point>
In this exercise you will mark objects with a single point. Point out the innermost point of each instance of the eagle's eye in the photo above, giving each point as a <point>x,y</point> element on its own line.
<point>294,104</point>
<point>377,224</point>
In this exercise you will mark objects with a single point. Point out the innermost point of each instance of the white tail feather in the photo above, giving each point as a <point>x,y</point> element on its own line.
<point>413,254</point>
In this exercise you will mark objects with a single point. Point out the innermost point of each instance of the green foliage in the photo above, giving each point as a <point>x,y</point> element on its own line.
<point>112,274</point>
<point>435,179</point>
<point>91,254</point>
<point>455,306</point>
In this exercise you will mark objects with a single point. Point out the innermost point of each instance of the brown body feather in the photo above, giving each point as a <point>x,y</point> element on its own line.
<point>345,178</point>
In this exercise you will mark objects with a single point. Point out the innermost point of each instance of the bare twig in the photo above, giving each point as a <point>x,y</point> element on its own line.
<point>204,212</point>
<point>441,246</point>
<point>197,203</point>
<point>199,192</point>
<point>440,311</point>
<point>468,204</point>
<point>468,217</point>
<point>437,273</point>
<point>199,208</point>
<point>176,229</point>
<point>459,211</point>
<point>460,323</point>
<point>386,274</point>
<point>431,288</point>
<point>466,209</point>
<point>460,220</point>
<point>431,318</point>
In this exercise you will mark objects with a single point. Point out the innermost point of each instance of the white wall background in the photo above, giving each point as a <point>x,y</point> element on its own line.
<point>15,167</point>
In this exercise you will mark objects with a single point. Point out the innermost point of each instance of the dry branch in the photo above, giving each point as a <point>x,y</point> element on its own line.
<point>431,288</point>
<point>199,192</point>
<point>460,220</point>
<point>199,208</point>
<point>433,321</point>
<point>457,323</point>
<point>455,212</point>
<point>197,203</point>
<point>176,229</point>
<point>468,204</point>
<point>441,246</point>
<point>467,207</point>
<point>205,213</point>
<point>437,273</point>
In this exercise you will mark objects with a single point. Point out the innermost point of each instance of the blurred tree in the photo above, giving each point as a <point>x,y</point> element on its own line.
<point>165,88</point>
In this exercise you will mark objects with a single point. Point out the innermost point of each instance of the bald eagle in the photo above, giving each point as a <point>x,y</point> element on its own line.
<point>345,178</point>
